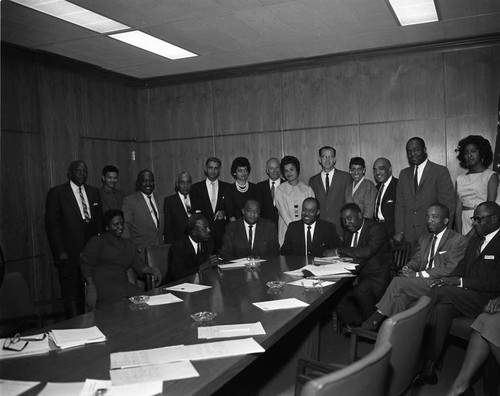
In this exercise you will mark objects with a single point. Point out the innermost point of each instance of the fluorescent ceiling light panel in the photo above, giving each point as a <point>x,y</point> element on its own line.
<point>412,12</point>
<point>152,44</point>
<point>72,13</point>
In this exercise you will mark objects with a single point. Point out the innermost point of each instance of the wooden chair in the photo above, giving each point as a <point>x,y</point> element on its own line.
<point>404,331</point>
<point>402,253</point>
<point>367,376</point>
<point>157,256</point>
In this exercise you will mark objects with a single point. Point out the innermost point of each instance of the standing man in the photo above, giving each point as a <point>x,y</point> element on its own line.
<point>178,208</point>
<point>467,289</point>
<point>209,198</point>
<point>329,186</point>
<point>143,217</point>
<point>310,236</point>
<point>73,215</point>
<point>111,197</point>
<point>267,189</point>
<point>250,235</point>
<point>420,185</point>
<point>385,201</point>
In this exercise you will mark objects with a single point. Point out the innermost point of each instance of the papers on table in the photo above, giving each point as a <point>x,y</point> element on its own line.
<point>152,373</point>
<point>208,350</point>
<point>91,387</point>
<point>327,270</point>
<point>239,263</point>
<point>236,330</point>
<point>61,389</point>
<point>310,283</point>
<point>14,388</point>
<point>187,287</point>
<point>69,338</point>
<point>161,299</point>
<point>331,260</point>
<point>33,347</point>
<point>286,303</point>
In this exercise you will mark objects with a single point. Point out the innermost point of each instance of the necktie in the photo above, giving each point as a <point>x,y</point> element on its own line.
<point>250,236</point>
<point>379,198</point>
<point>214,197</point>
<point>273,190</point>
<point>355,240</point>
<point>154,211</point>
<point>480,243</point>
<point>309,240</point>
<point>415,179</point>
<point>327,183</point>
<point>199,249</point>
<point>432,253</point>
<point>188,205</point>
<point>86,214</point>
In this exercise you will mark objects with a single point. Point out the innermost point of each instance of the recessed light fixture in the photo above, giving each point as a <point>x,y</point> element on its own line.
<point>152,44</point>
<point>72,13</point>
<point>412,12</point>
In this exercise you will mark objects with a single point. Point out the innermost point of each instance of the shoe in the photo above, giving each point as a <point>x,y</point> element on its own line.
<point>425,379</point>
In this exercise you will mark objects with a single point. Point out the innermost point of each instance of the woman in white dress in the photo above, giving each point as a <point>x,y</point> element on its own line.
<point>478,184</point>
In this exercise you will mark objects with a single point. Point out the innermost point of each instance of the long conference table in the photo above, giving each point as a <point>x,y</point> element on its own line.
<point>290,333</point>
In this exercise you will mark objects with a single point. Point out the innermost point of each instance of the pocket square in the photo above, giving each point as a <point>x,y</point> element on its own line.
<point>390,201</point>
<point>95,204</point>
<point>489,257</point>
<point>443,252</point>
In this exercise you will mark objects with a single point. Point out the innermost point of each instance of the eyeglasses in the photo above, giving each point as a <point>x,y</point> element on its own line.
<point>477,219</point>
<point>18,343</point>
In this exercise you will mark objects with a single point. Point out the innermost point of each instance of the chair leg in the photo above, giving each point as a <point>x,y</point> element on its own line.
<point>353,351</point>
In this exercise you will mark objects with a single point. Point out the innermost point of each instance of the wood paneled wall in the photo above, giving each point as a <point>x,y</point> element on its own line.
<point>53,113</point>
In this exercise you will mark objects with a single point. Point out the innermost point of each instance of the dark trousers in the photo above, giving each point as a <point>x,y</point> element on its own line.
<point>72,286</point>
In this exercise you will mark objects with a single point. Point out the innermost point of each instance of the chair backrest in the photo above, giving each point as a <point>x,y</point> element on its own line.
<point>401,252</point>
<point>404,331</point>
<point>157,256</point>
<point>367,376</point>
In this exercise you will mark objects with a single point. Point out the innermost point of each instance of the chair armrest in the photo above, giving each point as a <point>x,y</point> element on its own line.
<point>371,335</point>
<point>316,368</point>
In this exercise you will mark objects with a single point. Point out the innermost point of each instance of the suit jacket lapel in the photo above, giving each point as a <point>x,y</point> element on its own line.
<point>425,173</point>
<point>72,199</point>
<point>144,206</point>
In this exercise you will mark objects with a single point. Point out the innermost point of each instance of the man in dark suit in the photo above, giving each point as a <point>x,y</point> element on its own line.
<point>192,252</point>
<point>467,289</point>
<point>368,244</point>
<point>438,254</point>
<point>208,196</point>
<point>267,189</point>
<point>419,186</point>
<point>329,186</point>
<point>73,215</point>
<point>142,214</point>
<point>385,201</point>
<point>310,236</point>
<point>178,208</point>
<point>250,235</point>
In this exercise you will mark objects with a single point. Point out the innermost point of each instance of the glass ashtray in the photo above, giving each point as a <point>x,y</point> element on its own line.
<point>275,285</point>
<point>139,302</point>
<point>204,316</point>
<point>252,265</point>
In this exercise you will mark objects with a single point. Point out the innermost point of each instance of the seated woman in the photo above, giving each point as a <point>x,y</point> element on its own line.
<point>485,339</point>
<point>105,261</point>
<point>361,191</point>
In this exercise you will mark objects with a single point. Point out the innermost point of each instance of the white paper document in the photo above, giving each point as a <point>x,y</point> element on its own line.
<point>61,389</point>
<point>156,372</point>
<point>91,386</point>
<point>161,299</point>
<point>310,283</point>
<point>32,348</point>
<point>14,388</point>
<point>239,263</point>
<point>68,338</point>
<point>144,389</point>
<point>286,303</point>
<point>332,260</point>
<point>187,287</point>
<point>226,331</point>
<point>337,270</point>
<point>208,350</point>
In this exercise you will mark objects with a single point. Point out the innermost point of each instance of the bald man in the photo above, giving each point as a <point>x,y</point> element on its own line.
<point>385,201</point>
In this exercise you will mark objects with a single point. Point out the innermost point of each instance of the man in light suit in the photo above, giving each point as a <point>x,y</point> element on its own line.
<point>467,289</point>
<point>267,189</point>
<point>329,186</point>
<point>385,201</point>
<point>73,215</point>
<point>323,235</point>
<point>250,235</point>
<point>142,214</point>
<point>420,185</point>
<point>438,254</point>
<point>209,199</point>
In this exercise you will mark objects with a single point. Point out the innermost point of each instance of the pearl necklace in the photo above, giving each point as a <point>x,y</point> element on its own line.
<point>243,189</point>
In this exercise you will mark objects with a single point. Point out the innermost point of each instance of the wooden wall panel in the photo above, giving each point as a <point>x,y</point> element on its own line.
<point>305,145</point>
<point>402,87</point>
<point>472,79</point>
<point>247,104</point>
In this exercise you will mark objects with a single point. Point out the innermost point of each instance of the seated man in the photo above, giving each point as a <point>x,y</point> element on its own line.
<point>250,235</point>
<point>193,252</point>
<point>310,236</point>
<point>367,242</point>
<point>438,254</point>
<point>467,289</point>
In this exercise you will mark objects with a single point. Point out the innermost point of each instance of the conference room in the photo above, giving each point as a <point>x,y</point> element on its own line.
<point>259,79</point>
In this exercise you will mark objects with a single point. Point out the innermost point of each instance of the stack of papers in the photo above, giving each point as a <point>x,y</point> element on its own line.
<point>187,287</point>
<point>286,303</point>
<point>331,260</point>
<point>239,263</point>
<point>226,331</point>
<point>74,337</point>
<point>161,299</point>
<point>32,348</point>
<point>328,270</point>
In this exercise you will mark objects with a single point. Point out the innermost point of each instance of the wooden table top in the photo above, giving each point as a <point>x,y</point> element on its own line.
<point>231,297</point>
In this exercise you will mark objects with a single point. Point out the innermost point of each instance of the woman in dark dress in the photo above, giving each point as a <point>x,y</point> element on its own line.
<point>241,191</point>
<point>105,261</point>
